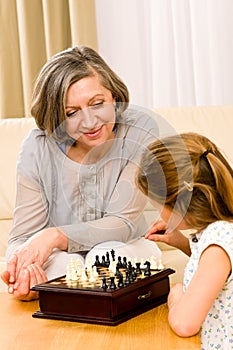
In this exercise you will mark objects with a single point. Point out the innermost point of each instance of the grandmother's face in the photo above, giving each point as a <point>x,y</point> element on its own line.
<point>90,112</point>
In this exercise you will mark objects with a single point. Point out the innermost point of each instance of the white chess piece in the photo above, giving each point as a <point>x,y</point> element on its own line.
<point>73,275</point>
<point>153,261</point>
<point>160,266</point>
<point>83,277</point>
<point>89,265</point>
<point>94,271</point>
<point>68,274</point>
<point>92,277</point>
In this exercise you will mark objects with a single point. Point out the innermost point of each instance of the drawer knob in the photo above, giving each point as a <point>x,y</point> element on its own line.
<point>145,296</point>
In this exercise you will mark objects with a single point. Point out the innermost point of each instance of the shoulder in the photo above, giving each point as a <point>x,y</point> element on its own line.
<point>32,146</point>
<point>138,125</point>
<point>218,233</point>
<point>140,118</point>
<point>34,136</point>
<point>220,228</point>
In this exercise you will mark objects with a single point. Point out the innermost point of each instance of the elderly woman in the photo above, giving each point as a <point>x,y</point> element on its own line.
<point>75,172</point>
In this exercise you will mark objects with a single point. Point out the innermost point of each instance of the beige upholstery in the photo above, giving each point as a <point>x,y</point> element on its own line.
<point>216,122</point>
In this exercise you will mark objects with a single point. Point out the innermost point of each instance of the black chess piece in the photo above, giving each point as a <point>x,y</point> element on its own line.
<point>104,283</point>
<point>112,283</point>
<point>97,261</point>
<point>113,254</point>
<point>107,259</point>
<point>127,279</point>
<point>129,265</point>
<point>118,273</point>
<point>138,268</point>
<point>103,263</point>
<point>124,262</point>
<point>147,271</point>
<point>131,278</point>
<point>134,274</point>
<point>119,263</point>
<point>120,282</point>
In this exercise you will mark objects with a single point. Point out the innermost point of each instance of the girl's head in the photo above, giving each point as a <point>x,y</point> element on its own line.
<point>187,174</point>
<point>59,73</point>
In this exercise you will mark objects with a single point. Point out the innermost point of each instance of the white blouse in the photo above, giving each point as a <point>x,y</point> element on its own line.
<point>90,203</point>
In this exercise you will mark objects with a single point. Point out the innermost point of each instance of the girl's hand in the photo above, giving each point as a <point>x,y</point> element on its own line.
<point>159,232</point>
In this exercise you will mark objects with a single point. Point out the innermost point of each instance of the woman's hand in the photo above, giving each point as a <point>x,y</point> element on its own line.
<point>24,268</point>
<point>28,278</point>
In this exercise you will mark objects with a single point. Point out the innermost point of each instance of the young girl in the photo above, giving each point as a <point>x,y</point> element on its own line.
<point>191,182</point>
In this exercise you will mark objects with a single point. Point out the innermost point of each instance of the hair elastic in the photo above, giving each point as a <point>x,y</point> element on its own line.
<point>188,186</point>
<point>204,154</point>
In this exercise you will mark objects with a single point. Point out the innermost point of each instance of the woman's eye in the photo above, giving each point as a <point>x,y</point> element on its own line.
<point>71,114</point>
<point>97,105</point>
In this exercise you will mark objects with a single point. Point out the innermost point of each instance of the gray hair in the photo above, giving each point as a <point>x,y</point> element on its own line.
<point>55,77</point>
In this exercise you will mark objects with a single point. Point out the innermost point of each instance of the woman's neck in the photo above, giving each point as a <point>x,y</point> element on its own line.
<point>88,155</point>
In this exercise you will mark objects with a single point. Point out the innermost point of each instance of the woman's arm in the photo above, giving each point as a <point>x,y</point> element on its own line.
<point>188,310</point>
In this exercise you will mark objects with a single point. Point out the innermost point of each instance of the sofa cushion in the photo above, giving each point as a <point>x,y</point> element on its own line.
<point>5,227</point>
<point>214,122</point>
<point>12,131</point>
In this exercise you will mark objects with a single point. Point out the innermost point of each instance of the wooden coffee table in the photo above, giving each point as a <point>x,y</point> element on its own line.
<point>19,330</point>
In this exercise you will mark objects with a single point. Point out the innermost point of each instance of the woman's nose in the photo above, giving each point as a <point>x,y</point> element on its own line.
<point>88,118</point>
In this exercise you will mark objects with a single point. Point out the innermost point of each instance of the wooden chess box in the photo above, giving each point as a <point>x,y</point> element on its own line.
<point>91,304</point>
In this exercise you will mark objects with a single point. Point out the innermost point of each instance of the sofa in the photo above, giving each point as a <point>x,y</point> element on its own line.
<point>215,122</point>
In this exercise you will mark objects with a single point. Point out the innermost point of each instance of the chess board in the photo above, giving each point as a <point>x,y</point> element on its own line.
<point>108,299</point>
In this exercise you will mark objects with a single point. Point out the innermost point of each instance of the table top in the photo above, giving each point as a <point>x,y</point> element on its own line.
<point>150,330</point>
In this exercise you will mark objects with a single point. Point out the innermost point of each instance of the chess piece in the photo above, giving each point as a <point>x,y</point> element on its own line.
<point>120,282</point>
<point>118,273</point>
<point>138,268</point>
<point>73,276</point>
<point>68,273</point>
<point>131,278</point>
<point>113,254</point>
<point>79,268</point>
<point>127,279</point>
<point>134,274</point>
<point>147,271</point>
<point>119,263</point>
<point>153,263</point>
<point>160,266</point>
<point>84,277</point>
<point>103,263</point>
<point>104,283</point>
<point>97,261</point>
<point>112,283</point>
<point>94,271</point>
<point>129,265</point>
<point>124,262</point>
<point>92,277</point>
<point>107,259</point>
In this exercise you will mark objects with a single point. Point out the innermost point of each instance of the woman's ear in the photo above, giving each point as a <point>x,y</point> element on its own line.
<point>116,105</point>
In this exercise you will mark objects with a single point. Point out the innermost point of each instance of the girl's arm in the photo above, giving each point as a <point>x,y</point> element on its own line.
<point>173,238</point>
<point>188,310</point>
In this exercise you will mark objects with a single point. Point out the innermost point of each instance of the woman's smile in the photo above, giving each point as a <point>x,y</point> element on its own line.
<point>94,133</point>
